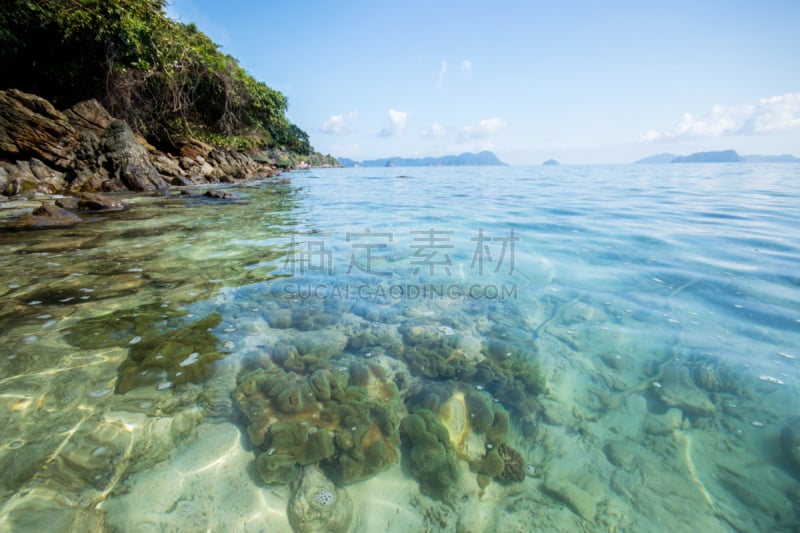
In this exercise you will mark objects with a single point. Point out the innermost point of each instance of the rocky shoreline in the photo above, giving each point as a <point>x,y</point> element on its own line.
<point>83,150</point>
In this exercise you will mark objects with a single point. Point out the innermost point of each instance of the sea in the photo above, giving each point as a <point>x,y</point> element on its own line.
<point>632,331</point>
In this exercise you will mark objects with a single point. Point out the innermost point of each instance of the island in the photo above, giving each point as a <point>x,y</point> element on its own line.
<point>550,163</point>
<point>724,156</point>
<point>485,158</point>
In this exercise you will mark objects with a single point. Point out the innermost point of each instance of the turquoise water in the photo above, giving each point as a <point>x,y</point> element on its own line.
<point>660,305</point>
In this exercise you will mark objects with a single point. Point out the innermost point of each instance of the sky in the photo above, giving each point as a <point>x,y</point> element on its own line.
<point>576,81</point>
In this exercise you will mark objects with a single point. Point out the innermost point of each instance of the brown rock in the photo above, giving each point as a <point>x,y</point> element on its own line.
<point>31,127</point>
<point>89,115</point>
<point>97,202</point>
<point>219,195</point>
<point>129,163</point>
<point>68,202</point>
<point>193,148</point>
<point>45,217</point>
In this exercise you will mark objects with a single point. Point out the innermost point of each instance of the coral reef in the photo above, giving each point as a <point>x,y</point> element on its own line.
<point>346,421</point>
<point>431,455</point>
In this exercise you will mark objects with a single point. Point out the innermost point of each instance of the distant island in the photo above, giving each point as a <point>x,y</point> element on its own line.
<point>723,156</point>
<point>550,162</point>
<point>484,158</point>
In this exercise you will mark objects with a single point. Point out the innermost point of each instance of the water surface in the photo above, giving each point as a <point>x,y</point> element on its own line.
<point>659,303</point>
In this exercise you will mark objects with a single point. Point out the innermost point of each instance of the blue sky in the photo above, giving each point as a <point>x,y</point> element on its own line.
<point>578,81</point>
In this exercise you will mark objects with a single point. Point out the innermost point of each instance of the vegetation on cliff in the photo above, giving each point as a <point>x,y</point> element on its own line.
<point>167,79</point>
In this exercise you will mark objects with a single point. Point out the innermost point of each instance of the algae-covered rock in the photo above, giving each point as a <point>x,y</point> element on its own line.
<point>431,456</point>
<point>318,506</point>
<point>183,355</point>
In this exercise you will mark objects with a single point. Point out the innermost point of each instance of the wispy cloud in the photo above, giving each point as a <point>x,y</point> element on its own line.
<point>336,124</point>
<point>442,72</point>
<point>482,131</point>
<point>466,66</point>
<point>778,113</point>
<point>397,123</point>
<point>436,130</point>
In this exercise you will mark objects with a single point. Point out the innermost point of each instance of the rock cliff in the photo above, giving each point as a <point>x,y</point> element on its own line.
<point>84,149</point>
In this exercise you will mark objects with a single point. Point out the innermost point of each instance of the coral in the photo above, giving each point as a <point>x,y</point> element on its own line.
<point>432,354</point>
<point>351,430</point>
<point>491,465</point>
<point>514,465</point>
<point>278,468</point>
<point>431,456</point>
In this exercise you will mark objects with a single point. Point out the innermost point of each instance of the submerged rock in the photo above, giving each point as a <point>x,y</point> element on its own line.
<point>96,202</point>
<point>318,506</point>
<point>45,217</point>
<point>790,443</point>
<point>677,389</point>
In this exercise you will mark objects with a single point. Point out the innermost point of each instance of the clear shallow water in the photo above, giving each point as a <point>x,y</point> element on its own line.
<point>660,304</point>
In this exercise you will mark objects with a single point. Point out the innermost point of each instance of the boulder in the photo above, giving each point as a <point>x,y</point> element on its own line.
<point>231,165</point>
<point>167,166</point>
<point>127,161</point>
<point>219,195</point>
<point>69,202</point>
<point>31,127</point>
<point>317,505</point>
<point>193,148</point>
<point>45,217</point>
<point>48,180</point>
<point>99,203</point>
<point>89,115</point>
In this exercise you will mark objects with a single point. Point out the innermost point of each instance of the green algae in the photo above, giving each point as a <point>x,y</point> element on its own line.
<point>184,355</point>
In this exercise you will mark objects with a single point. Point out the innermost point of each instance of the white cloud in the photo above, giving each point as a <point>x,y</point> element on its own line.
<point>778,113</point>
<point>436,130</point>
<point>482,131</point>
<point>335,125</point>
<point>442,72</point>
<point>466,66</point>
<point>397,123</point>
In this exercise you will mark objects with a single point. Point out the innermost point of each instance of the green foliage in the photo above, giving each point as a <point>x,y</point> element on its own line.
<point>167,79</point>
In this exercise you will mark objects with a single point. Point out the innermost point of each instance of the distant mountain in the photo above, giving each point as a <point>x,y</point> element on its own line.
<point>724,156</point>
<point>484,158</point>
<point>784,158</point>
<point>658,158</point>
<point>345,162</point>
<point>551,162</point>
